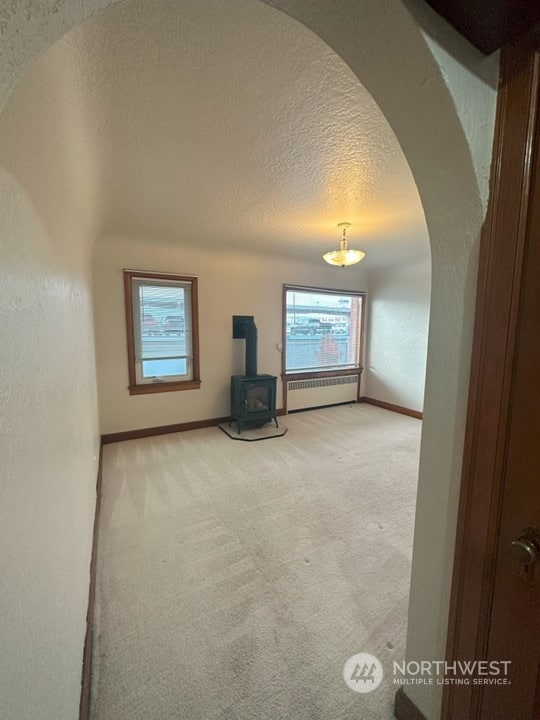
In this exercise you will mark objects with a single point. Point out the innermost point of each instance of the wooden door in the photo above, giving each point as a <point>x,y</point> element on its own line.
<point>495,613</point>
<point>514,632</point>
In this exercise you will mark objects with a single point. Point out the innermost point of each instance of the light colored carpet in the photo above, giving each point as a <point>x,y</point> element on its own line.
<point>235,579</point>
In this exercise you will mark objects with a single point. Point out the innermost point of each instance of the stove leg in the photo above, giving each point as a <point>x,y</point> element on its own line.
<point>275,420</point>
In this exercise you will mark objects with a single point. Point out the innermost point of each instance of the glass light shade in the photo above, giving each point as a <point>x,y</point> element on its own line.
<point>343,256</point>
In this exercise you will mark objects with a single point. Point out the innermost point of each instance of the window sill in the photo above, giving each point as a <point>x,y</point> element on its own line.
<point>309,374</point>
<point>164,387</point>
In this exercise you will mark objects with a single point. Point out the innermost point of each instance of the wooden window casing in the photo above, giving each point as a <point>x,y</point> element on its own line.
<point>136,387</point>
<point>356,368</point>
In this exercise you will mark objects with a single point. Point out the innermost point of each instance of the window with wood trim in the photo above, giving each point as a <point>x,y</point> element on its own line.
<point>162,332</point>
<point>322,330</point>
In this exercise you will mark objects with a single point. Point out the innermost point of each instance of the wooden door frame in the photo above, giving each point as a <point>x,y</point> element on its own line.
<point>496,323</point>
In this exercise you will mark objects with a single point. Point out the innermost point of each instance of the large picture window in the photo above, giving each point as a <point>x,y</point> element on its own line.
<point>162,332</point>
<point>323,330</point>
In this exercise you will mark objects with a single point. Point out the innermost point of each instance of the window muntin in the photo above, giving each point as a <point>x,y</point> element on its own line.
<point>322,330</point>
<point>161,313</point>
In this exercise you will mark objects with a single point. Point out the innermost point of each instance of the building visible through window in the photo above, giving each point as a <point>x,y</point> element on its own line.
<point>323,329</point>
<point>161,315</point>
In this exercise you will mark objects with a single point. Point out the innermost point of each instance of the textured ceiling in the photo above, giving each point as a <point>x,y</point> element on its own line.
<point>230,123</point>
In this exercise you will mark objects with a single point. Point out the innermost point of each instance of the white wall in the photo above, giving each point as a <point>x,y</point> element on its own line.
<point>229,284</point>
<point>49,439</point>
<point>398,317</point>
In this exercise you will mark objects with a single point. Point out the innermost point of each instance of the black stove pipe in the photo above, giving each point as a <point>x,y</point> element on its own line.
<point>244,327</point>
<point>251,349</point>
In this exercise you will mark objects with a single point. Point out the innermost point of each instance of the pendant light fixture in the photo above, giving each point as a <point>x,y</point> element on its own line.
<point>344,256</point>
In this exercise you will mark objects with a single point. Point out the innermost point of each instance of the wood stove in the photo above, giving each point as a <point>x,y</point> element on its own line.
<point>253,396</point>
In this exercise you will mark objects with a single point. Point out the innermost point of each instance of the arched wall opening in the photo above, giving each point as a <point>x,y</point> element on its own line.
<point>434,106</point>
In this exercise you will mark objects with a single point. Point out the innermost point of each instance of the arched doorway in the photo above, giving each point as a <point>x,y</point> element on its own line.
<point>449,168</point>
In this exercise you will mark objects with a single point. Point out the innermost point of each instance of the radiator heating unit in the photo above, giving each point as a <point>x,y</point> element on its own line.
<point>317,392</point>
